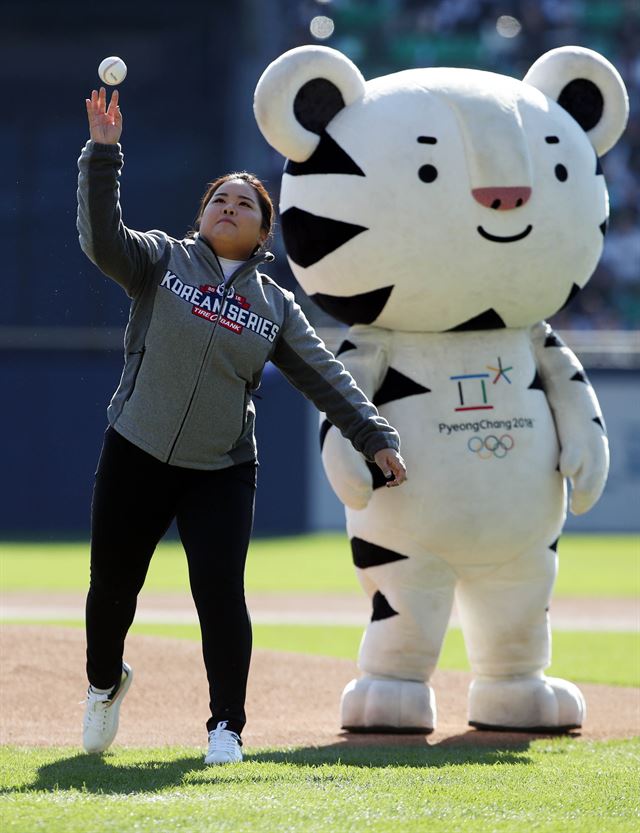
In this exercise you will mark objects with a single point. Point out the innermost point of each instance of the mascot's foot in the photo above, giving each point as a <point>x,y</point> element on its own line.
<point>526,704</point>
<point>374,704</point>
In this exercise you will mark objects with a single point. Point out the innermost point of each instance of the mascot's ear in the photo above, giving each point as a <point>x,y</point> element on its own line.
<point>588,87</point>
<point>298,95</point>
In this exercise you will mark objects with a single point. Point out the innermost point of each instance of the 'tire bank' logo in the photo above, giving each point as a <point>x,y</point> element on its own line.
<point>227,309</point>
<point>472,395</point>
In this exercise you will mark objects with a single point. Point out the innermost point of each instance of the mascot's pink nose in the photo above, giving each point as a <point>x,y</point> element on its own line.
<point>502,199</point>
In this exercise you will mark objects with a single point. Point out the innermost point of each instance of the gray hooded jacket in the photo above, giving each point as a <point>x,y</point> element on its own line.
<point>195,347</point>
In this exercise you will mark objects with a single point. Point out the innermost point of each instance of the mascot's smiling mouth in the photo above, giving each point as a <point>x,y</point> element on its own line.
<point>497,239</point>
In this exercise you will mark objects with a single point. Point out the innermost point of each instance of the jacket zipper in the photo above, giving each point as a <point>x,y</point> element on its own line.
<point>226,287</point>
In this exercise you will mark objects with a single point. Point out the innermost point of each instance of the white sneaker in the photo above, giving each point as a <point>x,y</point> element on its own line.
<point>101,714</point>
<point>224,746</point>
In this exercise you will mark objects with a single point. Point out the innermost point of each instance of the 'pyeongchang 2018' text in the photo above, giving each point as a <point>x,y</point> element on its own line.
<point>485,425</point>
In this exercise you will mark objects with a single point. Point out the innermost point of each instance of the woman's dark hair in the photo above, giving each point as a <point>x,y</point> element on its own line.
<point>264,201</point>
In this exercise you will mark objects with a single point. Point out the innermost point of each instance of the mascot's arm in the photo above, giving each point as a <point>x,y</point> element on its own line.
<point>584,448</point>
<point>364,355</point>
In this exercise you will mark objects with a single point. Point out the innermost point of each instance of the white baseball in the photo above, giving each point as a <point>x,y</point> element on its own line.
<point>112,70</point>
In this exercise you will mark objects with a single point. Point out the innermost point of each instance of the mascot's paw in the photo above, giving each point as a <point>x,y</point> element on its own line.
<point>545,704</point>
<point>587,489</point>
<point>346,471</point>
<point>373,704</point>
<point>587,468</point>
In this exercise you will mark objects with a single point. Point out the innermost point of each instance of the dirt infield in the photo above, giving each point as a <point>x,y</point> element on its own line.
<point>292,699</point>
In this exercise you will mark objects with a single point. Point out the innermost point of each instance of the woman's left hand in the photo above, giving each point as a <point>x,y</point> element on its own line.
<point>392,466</point>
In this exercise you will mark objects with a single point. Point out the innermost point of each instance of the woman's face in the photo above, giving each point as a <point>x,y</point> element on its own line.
<point>231,222</point>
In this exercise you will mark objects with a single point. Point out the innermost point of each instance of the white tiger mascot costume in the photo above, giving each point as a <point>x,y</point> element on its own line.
<point>444,214</point>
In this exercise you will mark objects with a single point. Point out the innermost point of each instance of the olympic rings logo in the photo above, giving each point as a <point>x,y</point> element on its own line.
<point>491,446</point>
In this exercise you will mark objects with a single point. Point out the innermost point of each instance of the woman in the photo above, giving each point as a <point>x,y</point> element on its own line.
<point>180,443</point>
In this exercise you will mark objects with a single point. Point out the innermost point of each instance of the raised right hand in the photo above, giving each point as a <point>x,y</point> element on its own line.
<point>105,123</point>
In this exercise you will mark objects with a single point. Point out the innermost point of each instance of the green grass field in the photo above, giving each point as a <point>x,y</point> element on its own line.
<point>590,565</point>
<point>552,785</point>
<point>546,786</point>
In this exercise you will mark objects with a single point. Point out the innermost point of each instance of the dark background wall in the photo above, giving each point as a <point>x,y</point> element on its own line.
<point>52,433</point>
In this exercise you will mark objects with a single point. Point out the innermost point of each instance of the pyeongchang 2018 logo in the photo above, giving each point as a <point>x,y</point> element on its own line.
<point>233,310</point>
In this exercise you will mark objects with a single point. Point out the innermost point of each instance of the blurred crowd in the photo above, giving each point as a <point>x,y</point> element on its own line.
<point>507,36</point>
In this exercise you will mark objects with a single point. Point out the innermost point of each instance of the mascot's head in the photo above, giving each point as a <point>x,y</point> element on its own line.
<point>442,199</point>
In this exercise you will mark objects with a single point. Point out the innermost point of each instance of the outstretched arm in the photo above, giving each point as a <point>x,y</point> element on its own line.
<point>584,448</point>
<point>125,255</point>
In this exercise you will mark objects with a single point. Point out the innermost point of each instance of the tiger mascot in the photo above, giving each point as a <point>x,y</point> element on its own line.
<point>444,214</point>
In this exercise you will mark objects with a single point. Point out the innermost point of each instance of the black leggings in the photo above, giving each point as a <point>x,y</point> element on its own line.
<point>135,499</point>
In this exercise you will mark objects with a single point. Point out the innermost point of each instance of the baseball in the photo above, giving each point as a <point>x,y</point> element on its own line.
<point>112,70</point>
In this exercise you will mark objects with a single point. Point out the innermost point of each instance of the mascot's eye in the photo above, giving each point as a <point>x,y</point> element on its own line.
<point>428,173</point>
<point>561,173</point>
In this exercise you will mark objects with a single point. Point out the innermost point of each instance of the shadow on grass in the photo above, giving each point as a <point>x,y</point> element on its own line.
<point>103,774</point>
<point>384,750</point>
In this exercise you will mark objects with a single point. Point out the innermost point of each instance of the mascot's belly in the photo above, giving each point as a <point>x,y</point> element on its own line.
<point>481,448</point>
